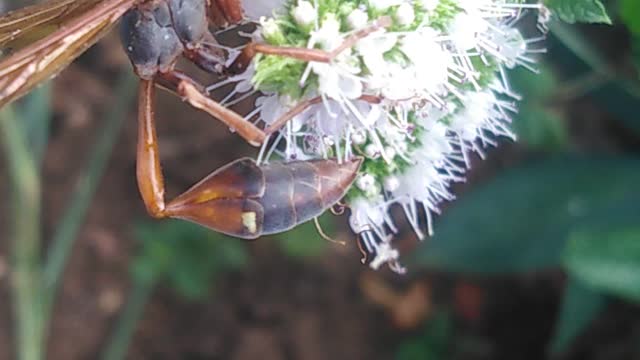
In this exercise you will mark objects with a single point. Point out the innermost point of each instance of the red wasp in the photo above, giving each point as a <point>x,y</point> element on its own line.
<point>241,199</point>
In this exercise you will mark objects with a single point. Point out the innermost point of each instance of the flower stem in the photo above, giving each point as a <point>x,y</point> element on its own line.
<point>25,235</point>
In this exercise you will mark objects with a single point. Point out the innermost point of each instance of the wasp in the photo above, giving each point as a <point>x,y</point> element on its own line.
<point>241,199</point>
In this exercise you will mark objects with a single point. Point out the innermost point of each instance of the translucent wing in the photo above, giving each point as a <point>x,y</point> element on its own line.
<point>31,23</point>
<point>27,67</point>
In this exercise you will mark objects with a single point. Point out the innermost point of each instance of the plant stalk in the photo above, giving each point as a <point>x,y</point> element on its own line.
<point>69,226</point>
<point>25,239</point>
<point>125,327</point>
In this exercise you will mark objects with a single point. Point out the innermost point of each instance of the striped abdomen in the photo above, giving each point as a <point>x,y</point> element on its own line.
<point>245,200</point>
<point>299,191</point>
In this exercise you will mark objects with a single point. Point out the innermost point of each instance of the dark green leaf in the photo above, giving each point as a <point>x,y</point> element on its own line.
<point>533,86</point>
<point>606,256</point>
<point>635,47</point>
<point>572,11</point>
<point>580,305</point>
<point>536,124</point>
<point>520,221</point>
<point>540,128</point>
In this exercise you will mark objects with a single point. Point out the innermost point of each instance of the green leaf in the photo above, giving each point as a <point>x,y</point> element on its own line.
<point>580,305</point>
<point>630,15</point>
<point>606,256</point>
<point>520,221</point>
<point>572,11</point>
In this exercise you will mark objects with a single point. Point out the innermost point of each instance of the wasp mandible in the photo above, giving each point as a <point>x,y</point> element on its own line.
<point>241,199</point>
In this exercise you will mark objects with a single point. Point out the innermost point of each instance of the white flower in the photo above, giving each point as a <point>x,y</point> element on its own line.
<point>429,5</point>
<point>304,14</point>
<point>465,30</point>
<point>478,109</point>
<point>270,28</point>
<point>475,6</point>
<point>337,83</point>
<point>413,99</point>
<point>372,50</point>
<point>405,14</point>
<point>357,19</point>
<point>421,48</point>
<point>511,46</point>
<point>384,4</point>
<point>366,182</point>
<point>391,183</point>
<point>366,214</point>
<point>337,80</point>
<point>328,36</point>
<point>272,107</point>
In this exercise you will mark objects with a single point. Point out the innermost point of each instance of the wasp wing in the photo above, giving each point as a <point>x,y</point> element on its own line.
<point>28,24</point>
<point>27,67</point>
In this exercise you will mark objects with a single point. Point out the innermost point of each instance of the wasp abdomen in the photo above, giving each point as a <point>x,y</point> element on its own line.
<point>277,199</point>
<point>307,199</point>
<point>299,191</point>
<point>245,200</point>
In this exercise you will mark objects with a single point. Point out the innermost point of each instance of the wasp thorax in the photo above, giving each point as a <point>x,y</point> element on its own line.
<point>155,35</point>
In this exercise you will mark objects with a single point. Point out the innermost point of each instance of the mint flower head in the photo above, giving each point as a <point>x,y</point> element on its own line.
<point>420,91</point>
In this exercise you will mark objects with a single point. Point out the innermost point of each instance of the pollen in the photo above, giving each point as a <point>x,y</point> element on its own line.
<point>249,221</point>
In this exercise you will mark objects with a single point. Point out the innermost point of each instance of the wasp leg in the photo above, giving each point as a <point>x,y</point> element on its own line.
<point>284,118</point>
<point>304,105</point>
<point>148,171</point>
<point>194,93</point>
<point>305,54</point>
<point>223,13</point>
<point>207,54</point>
<point>223,201</point>
<point>207,58</point>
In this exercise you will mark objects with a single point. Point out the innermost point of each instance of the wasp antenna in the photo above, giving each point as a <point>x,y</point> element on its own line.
<point>324,235</point>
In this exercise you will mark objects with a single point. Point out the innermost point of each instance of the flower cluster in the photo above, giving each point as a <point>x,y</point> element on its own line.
<point>413,86</point>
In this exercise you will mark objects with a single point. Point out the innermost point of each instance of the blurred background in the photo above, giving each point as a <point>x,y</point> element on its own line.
<point>539,258</point>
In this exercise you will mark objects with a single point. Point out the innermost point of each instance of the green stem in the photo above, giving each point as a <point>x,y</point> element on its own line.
<point>26,278</point>
<point>67,230</point>
<point>35,113</point>
<point>121,337</point>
